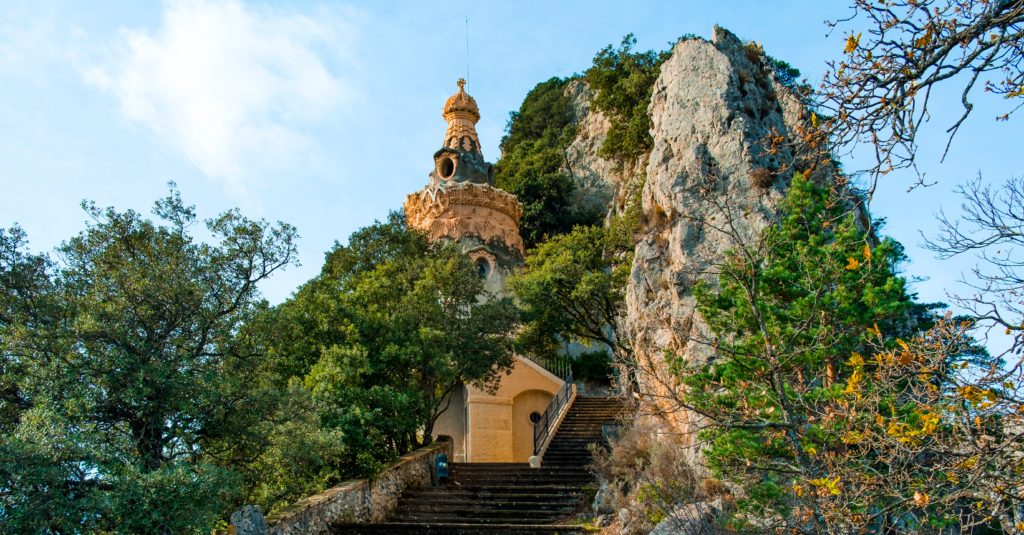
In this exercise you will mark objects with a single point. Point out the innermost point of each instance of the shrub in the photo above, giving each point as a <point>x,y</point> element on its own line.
<point>532,164</point>
<point>762,177</point>
<point>593,365</point>
<point>649,473</point>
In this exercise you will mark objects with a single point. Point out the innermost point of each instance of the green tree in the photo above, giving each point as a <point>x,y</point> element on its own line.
<point>533,165</point>
<point>24,288</point>
<point>789,309</point>
<point>390,327</point>
<point>142,398</point>
<point>572,290</point>
<point>622,81</point>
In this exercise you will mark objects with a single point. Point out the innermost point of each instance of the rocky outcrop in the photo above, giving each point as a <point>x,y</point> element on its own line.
<point>727,137</point>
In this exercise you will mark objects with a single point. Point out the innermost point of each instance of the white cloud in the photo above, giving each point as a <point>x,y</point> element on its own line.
<point>236,88</point>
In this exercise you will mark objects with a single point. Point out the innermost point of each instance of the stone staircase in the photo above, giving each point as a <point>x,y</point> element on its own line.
<point>582,426</point>
<point>499,498</point>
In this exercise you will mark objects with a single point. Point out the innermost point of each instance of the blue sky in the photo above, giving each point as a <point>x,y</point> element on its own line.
<point>326,114</point>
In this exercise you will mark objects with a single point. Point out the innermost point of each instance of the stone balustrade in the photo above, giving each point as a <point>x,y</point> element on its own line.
<point>354,501</point>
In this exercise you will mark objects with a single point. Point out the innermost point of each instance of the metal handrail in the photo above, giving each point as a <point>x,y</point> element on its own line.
<point>560,366</point>
<point>542,429</point>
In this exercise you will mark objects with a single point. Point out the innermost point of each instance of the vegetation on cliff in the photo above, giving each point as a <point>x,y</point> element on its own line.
<point>570,292</point>
<point>834,402</point>
<point>532,164</point>
<point>622,81</point>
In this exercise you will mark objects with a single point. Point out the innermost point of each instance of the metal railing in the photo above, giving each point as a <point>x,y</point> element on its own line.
<point>560,365</point>
<point>542,429</point>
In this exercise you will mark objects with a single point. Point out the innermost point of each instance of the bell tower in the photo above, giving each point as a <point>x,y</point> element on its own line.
<point>461,203</point>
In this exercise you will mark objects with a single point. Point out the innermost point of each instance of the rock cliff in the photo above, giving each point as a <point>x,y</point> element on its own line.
<point>727,136</point>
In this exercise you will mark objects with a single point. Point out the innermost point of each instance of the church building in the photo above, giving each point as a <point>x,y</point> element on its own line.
<point>461,203</point>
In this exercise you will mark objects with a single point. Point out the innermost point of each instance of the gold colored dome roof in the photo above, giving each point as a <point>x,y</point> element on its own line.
<point>460,102</point>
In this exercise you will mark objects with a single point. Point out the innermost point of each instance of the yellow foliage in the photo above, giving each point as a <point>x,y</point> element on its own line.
<point>826,485</point>
<point>852,437</point>
<point>814,120</point>
<point>922,42</point>
<point>875,331</point>
<point>852,263</point>
<point>920,499</point>
<point>867,252</point>
<point>929,421</point>
<point>851,43</point>
<point>968,463</point>
<point>853,385</point>
<point>981,398</point>
<point>900,431</point>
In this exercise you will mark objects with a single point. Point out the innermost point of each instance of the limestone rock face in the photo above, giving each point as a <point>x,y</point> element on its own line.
<point>727,138</point>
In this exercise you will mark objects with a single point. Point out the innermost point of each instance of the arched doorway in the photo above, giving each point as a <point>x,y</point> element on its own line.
<point>526,404</point>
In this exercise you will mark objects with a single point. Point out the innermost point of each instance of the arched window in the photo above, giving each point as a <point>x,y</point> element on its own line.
<point>446,167</point>
<point>483,267</point>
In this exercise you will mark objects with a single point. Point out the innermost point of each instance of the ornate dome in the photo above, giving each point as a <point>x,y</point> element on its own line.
<point>460,103</point>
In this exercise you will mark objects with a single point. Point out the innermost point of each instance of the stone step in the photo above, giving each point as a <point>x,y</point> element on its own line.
<point>571,473</point>
<point>451,528</point>
<point>566,461</point>
<point>512,498</point>
<point>482,509</point>
<point>476,498</point>
<point>492,488</point>
<point>529,483</point>
<point>485,516</point>
<point>567,455</point>
<point>581,446</point>
<point>494,470</point>
<point>497,477</point>
<point>522,482</point>
<point>497,489</point>
<point>492,467</point>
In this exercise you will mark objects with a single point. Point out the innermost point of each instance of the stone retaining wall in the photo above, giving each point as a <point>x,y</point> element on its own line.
<point>359,500</point>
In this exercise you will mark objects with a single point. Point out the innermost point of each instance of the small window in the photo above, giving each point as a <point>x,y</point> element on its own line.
<point>535,417</point>
<point>483,267</point>
<point>447,167</point>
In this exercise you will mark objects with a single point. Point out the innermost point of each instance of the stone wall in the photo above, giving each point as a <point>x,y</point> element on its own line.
<point>359,501</point>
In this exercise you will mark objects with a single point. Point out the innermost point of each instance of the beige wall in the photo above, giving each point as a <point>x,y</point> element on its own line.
<point>498,427</point>
<point>452,423</point>
<point>492,418</point>
<point>490,431</point>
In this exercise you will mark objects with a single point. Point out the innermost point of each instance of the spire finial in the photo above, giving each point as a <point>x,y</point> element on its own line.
<point>462,84</point>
